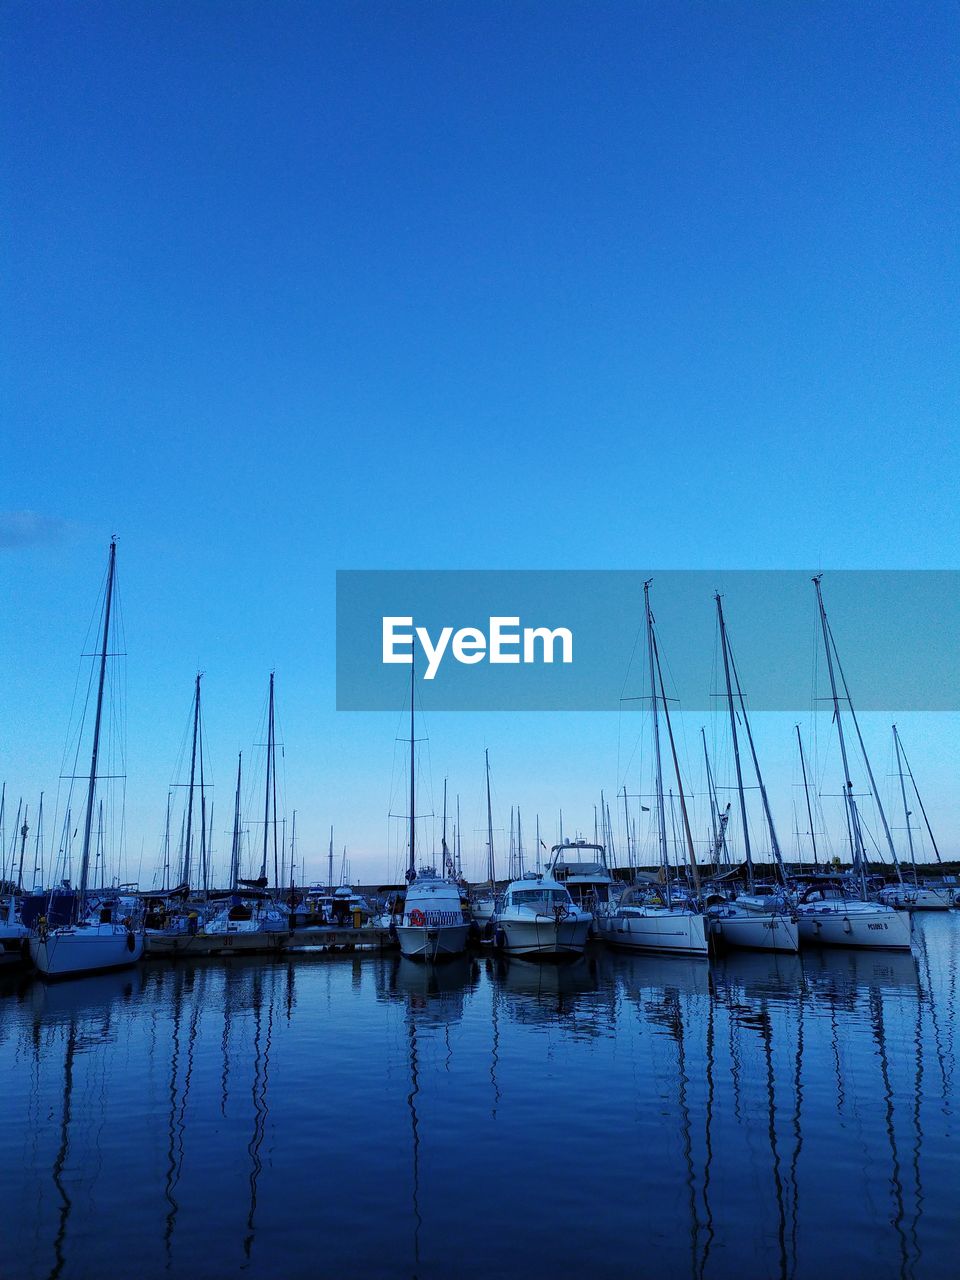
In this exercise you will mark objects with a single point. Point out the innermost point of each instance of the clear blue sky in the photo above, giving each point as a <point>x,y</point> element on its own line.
<point>294,287</point>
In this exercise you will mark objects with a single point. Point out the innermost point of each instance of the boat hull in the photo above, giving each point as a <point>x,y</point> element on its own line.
<point>883,929</point>
<point>753,931</point>
<point>545,936</point>
<point>432,942</point>
<point>664,931</point>
<point>909,899</point>
<point>70,953</point>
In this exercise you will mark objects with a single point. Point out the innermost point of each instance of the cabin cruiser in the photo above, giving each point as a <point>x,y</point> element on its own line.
<point>648,919</point>
<point>831,915</point>
<point>539,916</point>
<point>320,907</point>
<point>587,877</point>
<point>433,924</point>
<point>244,913</point>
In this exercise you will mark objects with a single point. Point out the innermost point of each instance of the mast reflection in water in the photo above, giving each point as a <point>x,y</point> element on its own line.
<point>767,1115</point>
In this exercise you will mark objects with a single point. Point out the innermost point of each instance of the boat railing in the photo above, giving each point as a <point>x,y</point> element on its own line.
<point>419,919</point>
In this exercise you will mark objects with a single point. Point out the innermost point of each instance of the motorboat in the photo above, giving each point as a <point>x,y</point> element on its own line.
<point>433,924</point>
<point>539,917</point>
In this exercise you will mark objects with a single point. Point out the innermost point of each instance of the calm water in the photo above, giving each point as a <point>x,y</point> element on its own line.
<point>624,1116</point>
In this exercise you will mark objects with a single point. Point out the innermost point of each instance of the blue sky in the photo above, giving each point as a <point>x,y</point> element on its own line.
<point>293,287</point>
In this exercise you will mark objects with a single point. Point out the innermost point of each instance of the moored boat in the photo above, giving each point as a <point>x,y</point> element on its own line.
<point>539,917</point>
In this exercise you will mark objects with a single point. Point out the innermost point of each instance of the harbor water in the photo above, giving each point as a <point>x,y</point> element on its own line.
<point>758,1116</point>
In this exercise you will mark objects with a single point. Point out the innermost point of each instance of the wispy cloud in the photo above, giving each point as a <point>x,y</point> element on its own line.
<point>29,529</point>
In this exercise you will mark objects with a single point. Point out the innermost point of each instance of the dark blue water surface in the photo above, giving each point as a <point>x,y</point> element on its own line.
<point>620,1116</point>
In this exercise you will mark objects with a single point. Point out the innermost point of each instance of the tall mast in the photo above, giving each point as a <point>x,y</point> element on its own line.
<point>459,843</point>
<point>23,844</point>
<point>519,844</point>
<point>38,849</point>
<point>806,792</point>
<point>711,795</point>
<point>736,743</point>
<point>491,869</point>
<point>94,755</point>
<point>267,790</point>
<point>330,862</point>
<point>661,812</point>
<point>512,856</point>
<point>235,843</point>
<point>187,847</point>
<point>626,823</point>
<point>688,835</point>
<point>539,860</point>
<point>166,848</point>
<point>447,869</point>
<point>856,845</point>
<point>916,792</point>
<point>906,810</point>
<point>866,759</point>
<point>412,864</point>
<point>293,850</point>
<point>203,810</point>
<point>767,811</point>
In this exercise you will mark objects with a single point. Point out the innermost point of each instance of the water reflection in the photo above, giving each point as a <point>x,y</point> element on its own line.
<point>753,1116</point>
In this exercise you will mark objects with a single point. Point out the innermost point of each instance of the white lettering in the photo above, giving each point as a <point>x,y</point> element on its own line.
<point>391,640</point>
<point>434,652</point>
<point>548,639</point>
<point>469,645</point>
<point>498,638</point>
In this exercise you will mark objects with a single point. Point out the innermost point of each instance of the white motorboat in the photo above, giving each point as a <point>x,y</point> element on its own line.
<point>829,915</point>
<point>539,917</point>
<point>94,940</point>
<point>648,922</point>
<point>433,923</point>
<point>582,868</point>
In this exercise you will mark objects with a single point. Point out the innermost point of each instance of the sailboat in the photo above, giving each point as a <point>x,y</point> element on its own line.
<point>832,912</point>
<point>916,896</point>
<point>753,923</point>
<point>433,925</point>
<point>251,920</point>
<point>659,918</point>
<point>14,946</point>
<point>93,940</point>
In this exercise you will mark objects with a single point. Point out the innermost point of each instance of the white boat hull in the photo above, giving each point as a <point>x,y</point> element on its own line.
<point>545,936</point>
<point>881,928</point>
<point>68,953</point>
<point>907,898</point>
<point>753,931</point>
<point>670,931</point>
<point>432,942</point>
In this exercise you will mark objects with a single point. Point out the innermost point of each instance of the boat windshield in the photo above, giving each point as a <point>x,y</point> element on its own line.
<point>545,897</point>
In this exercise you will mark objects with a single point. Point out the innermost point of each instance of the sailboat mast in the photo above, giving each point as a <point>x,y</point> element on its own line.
<point>266,797</point>
<point>38,848</point>
<point>187,847</point>
<point>767,811</point>
<point>916,792</point>
<point>459,843</point>
<point>856,847</point>
<point>661,812</point>
<point>330,862</point>
<point>166,848</point>
<point>906,810</point>
<point>491,870</point>
<point>626,823</point>
<point>235,843</point>
<point>519,843</point>
<point>98,720</point>
<point>806,792</point>
<point>412,864</point>
<point>203,810</point>
<point>688,835</point>
<point>736,743</point>
<point>23,844</point>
